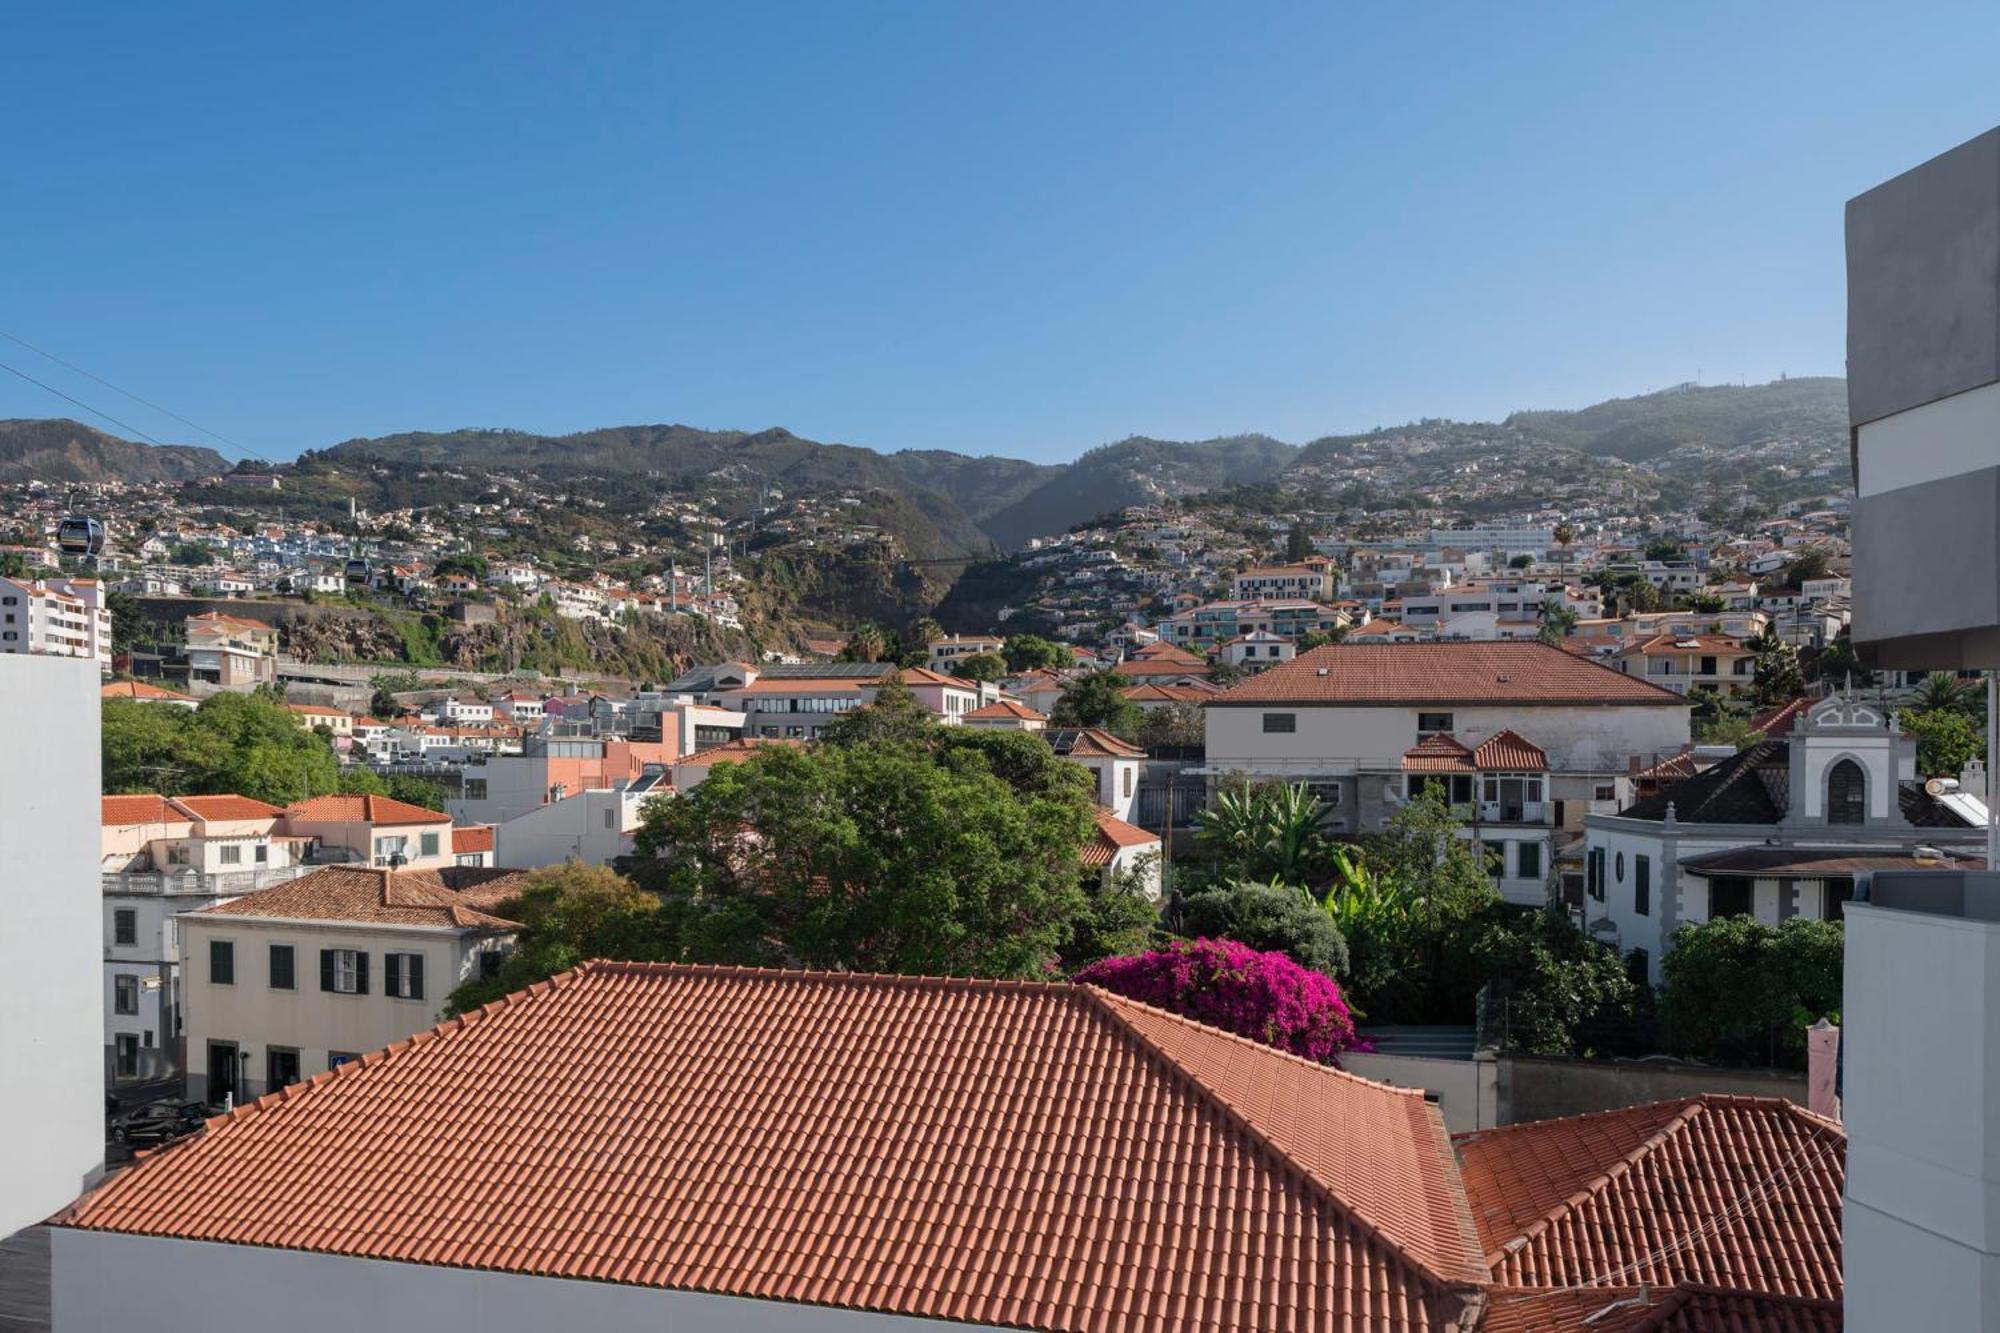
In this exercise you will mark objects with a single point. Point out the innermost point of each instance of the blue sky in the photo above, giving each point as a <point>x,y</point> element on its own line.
<point>1024,229</point>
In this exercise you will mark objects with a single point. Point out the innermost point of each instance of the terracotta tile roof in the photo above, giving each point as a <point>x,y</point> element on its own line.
<point>926,676</point>
<point>1194,692</point>
<point>1671,769</point>
<point>1113,836</point>
<point>1161,651</point>
<point>1004,708</point>
<point>1438,753</point>
<point>472,838</point>
<point>1721,645</point>
<point>1682,1309</point>
<point>364,896</point>
<point>483,887</point>
<point>1623,1197</point>
<point>1509,751</point>
<point>139,689</point>
<point>365,810</point>
<point>1034,1155</point>
<point>742,748</point>
<point>1092,743</point>
<point>1781,720</point>
<point>227,807</point>
<point>1141,669</point>
<point>1444,673</point>
<point>126,811</point>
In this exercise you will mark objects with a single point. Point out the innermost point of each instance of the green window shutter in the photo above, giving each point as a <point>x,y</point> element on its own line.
<point>326,969</point>
<point>392,972</point>
<point>415,963</point>
<point>360,973</point>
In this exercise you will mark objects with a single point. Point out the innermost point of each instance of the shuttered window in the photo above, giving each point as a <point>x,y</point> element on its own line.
<point>403,975</point>
<point>343,971</point>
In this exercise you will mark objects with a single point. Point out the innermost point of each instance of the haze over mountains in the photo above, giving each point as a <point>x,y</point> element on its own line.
<point>956,503</point>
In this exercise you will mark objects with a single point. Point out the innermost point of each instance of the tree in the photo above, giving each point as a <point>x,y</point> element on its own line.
<point>468,563</point>
<point>1727,728</point>
<point>1027,652</point>
<point>1559,992</point>
<point>1946,741</point>
<point>1522,561</point>
<point>1170,725</point>
<point>1097,700</point>
<point>1564,534</point>
<point>249,744</point>
<point>1267,831</point>
<point>126,619</point>
<point>1558,621</point>
<point>568,914</point>
<point>191,555</point>
<point>1317,638</point>
<point>1739,991</point>
<point>955,856</point>
<point>895,714</point>
<point>1298,543</point>
<point>1118,918</point>
<point>1809,563</point>
<point>865,644</point>
<point>1666,548</point>
<point>1776,677</point>
<point>982,666</point>
<point>1274,916</point>
<point>1945,692</point>
<point>1263,996</point>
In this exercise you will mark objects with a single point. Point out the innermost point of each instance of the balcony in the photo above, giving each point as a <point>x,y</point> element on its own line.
<point>1512,812</point>
<point>194,884</point>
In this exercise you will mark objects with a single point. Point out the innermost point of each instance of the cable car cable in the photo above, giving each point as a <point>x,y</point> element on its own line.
<point>80,403</point>
<point>99,379</point>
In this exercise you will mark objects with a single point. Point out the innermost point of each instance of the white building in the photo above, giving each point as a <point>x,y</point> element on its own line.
<point>159,857</point>
<point>51,1024</point>
<point>1257,650</point>
<point>1349,721</point>
<point>373,830</point>
<point>1779,830</point>
<point>56,617</point>
<point>293,981</point>
<point>594,826</point>
<point>948,652</point>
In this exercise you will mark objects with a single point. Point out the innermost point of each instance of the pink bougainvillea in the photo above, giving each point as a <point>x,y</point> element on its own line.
<point>1264,996</point>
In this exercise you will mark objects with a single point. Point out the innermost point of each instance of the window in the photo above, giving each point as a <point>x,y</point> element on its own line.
<point>1728,895</point>
<point>124,926</point>
<point>125,995</point>
<point>1126,789</point>
<point>489,963</point>
<point>263,856</point>
<point>231,855</point>
<point>335,1059</point>
<point>1593,871</point>
<point>403,975</point>
<point>221,963</point>
<point>429,844</point>
<point>343,971</point>
<point>1834,895</point>
<point>1642,885</point>
<point>1618,868</point>
<point>282,972</point>
<point>281,1067</point>
<point>475,789</point>
<point>1429,722</point>
<point>1604,791</point>
<point>1846,794</point>
<point>128,1055</point>
<point>1527,860</point>
<point>1280,723</point>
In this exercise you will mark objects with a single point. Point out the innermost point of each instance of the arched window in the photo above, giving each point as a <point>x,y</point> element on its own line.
<point>1846,794</point>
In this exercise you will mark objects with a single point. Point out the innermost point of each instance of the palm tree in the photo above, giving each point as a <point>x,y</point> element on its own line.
<point>1942,692</point>
<point>1565,534</point>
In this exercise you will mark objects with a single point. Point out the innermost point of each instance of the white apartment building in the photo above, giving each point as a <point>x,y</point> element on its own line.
<point>159,857</point>
<point>594,825</point>
<point>51,1025</point>
<point>1508,539</point>
<point>1312,581</point>
<point>373,831</point>
<point>56,617</point>
<point>948,652</point>
<point>293,981</point>
<point>1538,738</point>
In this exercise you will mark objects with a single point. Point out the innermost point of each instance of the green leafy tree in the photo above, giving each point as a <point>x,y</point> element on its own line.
<point>1776,677</point>
<point>126,620</point>
<point>1945,692</point>
<point>1265,831</point>
<point>1118,918</point>
<point>193,556</point>
<point>1171,725</point>
<point>1558,991</point>
<point>1727,728</point>
<point>1097,700</point>
<point>249,744</point>
<point>1273,917</point>
<point>982,666</point>
<point>1946,741</point>
<point>468,563</point>
<point>892,857</point>
<point>1027,652</point>
<point>571,913</point>
<point>866,644</point>
<point>1558,622</point>
<point>895,714</point>
<point>1298,544</point>
<point>1738,991</point>
<point>1522,561</point>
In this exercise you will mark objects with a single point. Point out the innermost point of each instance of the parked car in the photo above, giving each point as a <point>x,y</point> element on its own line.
<point>161,1122</point>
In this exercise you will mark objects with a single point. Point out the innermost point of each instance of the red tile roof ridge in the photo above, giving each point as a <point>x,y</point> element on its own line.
<point>1473,1273</point>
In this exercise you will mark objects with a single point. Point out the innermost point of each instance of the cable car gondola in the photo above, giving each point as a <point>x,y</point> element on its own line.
<point>81,535</point>
<point>357,570</point>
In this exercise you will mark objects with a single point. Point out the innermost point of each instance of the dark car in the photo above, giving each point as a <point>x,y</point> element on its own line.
<point>162,1122</point>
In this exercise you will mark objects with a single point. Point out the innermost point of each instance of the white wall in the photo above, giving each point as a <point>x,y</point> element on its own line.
<point>1921,1048</point>
<point>307,1019</point>
<point>587,825</point>
<point>1335,739</point>
<point>51,985</point>
<point>109,1283</point>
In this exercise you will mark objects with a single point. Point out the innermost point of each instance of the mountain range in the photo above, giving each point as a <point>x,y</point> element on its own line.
<point>954,503</point>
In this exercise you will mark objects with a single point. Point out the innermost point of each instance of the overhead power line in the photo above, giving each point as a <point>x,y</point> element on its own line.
<point>124,426</point>
<point>99,379</point>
